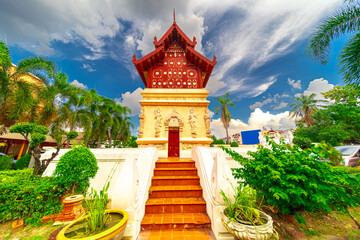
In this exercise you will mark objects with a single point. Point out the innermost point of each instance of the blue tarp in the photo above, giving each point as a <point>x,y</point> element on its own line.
<point>250,137</point>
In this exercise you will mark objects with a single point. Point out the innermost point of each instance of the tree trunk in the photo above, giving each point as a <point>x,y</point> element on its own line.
<point>45,163</point>
<point>227,135</point>
<point>352,217</point>
<point>36,154</point>
<point>99,142</point>
<point>108,134</point>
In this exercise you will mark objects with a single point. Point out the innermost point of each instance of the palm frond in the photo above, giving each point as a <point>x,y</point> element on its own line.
<point>345,21</point>
<point>350,60</point>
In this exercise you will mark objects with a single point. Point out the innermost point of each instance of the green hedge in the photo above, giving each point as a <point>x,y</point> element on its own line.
<point>6,162</point>
<point>26,196</point>
<point>23,162</point>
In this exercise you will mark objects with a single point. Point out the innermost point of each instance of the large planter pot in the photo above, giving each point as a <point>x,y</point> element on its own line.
<point>72,208</point>
<point>115,232</point>
<point>249,232</point>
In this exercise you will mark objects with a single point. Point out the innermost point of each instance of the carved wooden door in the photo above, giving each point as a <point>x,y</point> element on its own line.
<point>174,143</point>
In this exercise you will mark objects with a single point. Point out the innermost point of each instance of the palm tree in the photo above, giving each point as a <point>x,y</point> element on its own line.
<point>304,107</point>
<point>340,23</point>
<point>18,98</point>
<point>224,103</point>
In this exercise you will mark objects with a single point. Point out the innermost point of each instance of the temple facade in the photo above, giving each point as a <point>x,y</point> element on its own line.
<point>174,114</point>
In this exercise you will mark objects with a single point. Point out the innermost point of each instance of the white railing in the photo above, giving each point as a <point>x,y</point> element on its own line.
<point>214,167</point>
<point>130,183</point>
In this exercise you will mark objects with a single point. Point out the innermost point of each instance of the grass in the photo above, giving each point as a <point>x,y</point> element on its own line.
<point>28,233</point>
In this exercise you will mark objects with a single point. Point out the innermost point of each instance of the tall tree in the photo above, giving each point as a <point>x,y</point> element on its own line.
<point>19,98</point>
<point>224,103</point>
<point>343,22</point>
<point>304,107</point>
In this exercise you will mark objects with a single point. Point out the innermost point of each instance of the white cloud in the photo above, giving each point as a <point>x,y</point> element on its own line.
<point>260,104</point>
<point>295,84</point>
<point>281,106</point>
<point>79,84</point>
<point>257,120</point>
<point>131,100</point>
<point>318,86</point>
<point>88,67</point>
<point>234,32</point>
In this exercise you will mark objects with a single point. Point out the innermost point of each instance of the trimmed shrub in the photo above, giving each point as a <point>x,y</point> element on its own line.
<point>75,168</point>
<point>234,144</point>
<point>6,162</point>
<point>23,162</point>
<point>293,179</point>
<point>26,196</point>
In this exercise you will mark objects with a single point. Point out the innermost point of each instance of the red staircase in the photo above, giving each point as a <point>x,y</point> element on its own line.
<point>175,197</point>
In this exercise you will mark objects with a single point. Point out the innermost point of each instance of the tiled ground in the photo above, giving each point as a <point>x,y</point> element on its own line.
<point>181,234</point>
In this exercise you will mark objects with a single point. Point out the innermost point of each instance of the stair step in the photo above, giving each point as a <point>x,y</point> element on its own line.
<point>174,220</point>
<point>175,163</point>
<point>175,172</point>
<point>175,180</point>
<point>175,205</point>
<point>175,191</point>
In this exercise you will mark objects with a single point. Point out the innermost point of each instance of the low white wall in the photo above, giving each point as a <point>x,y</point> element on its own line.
<point>130,183</point>
<point>214,168</point>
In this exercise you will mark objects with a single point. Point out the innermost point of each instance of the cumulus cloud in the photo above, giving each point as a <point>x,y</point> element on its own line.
<point>257,120</point>
<point>295,84</point>
<point>78,84</point>
<point>119,28</point>
<point>131,100</point>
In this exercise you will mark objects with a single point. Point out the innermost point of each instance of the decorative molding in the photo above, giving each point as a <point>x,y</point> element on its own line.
<point>141,126</point>
<point>174,119</point>
<point>207,122</point>
<point>192,122</point>
<point>158,118</point>
<point>187,146</point>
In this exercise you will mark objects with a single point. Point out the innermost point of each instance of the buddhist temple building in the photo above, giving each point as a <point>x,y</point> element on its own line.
<point>174,114</point>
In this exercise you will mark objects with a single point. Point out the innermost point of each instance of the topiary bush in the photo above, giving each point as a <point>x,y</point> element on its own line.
<point>26,196</point>
<point>75,168</point>
<point>293,179</point>
<point>6,162</point>
<point>23,162</point>
<point>234,144</point>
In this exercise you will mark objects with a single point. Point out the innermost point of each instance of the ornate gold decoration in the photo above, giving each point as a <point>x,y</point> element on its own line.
<point>192,122</point>
<point>207,122</point>
<point>158,119</point>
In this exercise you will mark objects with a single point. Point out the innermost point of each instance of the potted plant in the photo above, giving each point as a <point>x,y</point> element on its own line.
<point>99,223</point>
<point>73,173</point>
<point>242,217</point>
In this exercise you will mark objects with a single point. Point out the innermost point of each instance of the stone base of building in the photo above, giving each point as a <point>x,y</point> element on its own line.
<point>185,144</point>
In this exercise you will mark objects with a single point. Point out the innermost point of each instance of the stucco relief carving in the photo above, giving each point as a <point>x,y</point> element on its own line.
<point>141,127</point>
<point>158,120</point>
<point>188,146</point>
<point>159,146</point>
<point>192,122</point>
<point>174,119</point>
<point>207,123</point>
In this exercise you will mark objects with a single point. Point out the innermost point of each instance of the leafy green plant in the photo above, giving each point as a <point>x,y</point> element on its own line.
<point>244,207</point>
<point>302,142</point>
<point>26,196</point>
<point>96,205</point>
<point>75,168</point>
<point>293,179</point>
<point>234,144</point>
<point>5,162</point>
<point>23,162</point>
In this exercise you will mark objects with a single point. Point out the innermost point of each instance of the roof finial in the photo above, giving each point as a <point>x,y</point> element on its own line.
<point>174,16</point>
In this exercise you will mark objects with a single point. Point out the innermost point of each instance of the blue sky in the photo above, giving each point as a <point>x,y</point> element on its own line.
<point>259,45</point>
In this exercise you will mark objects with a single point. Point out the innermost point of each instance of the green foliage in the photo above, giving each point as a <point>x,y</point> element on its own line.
<point>75,168</point>
<point>328,152</point>
<point>245,207</point>
<point>216,141</point>
<point>26,196</point>
<point>36,132</point>
<point>234,144</point>
<point>131,143</point>
<point>293,179</point>
<point>96,205</point>
<point>23,162</point>
<point>5,162</point>
<point>303,143</point>
<point>71,135</point>
<point>338,122</point>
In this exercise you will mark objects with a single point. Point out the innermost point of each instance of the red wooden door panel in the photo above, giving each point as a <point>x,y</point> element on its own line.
<point>173,143</point>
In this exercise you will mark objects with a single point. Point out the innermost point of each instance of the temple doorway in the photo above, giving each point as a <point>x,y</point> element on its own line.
<point>174,142</point>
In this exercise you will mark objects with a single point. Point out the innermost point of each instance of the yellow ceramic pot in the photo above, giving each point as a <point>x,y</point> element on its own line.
<point>114,233</point>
